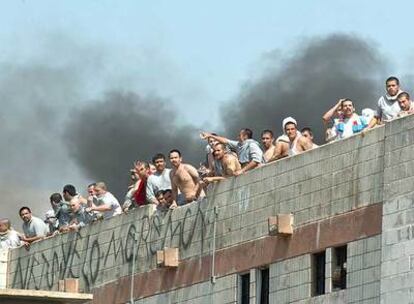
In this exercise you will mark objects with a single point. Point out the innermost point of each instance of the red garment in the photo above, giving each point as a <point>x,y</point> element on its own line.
<point>140,196</point>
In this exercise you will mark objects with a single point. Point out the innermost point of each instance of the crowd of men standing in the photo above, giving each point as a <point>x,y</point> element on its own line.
<point>166,188</point>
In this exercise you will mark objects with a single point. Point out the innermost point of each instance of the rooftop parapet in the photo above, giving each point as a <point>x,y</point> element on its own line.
<point>317,185</point>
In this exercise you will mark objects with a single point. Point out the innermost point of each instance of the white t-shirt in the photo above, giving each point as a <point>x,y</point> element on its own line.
<point>156,182</point>
<point>388,107</point>
<point>36,227</point>
<point>10,239</point>
<point>348,126</point>
<point>111,201</point>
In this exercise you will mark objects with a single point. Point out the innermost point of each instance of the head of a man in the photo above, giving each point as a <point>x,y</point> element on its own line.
<point>347,107</point>
<point>159,162</point>
<point>211,141</point>
<point>91,189</point>
<point>307,132</point>
<point>69,191</point>
<point>142,168</point>
<point>392,85</point>
<point>404,101</point>
<point>245,134</point>
<point>267,138</point>
<point>55,199</point>
<point>168,196</point>
<point>175,158</point>
<point>159,195</point>
<point>100,189</point>
<point>25,214</point>
<point>291,130</point>
<point>75,205</point>
<point>219,151</point>
<point>4,225</point>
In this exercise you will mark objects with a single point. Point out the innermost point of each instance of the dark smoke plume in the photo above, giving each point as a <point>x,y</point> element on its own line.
<point>308,84</point>
<point>106,136</point>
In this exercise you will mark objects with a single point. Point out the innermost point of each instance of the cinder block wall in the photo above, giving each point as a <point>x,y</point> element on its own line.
<point>329,181</point>
<point>397,275</point>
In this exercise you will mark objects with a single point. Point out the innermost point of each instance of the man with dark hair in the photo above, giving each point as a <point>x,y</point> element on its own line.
<point>248,150</point>
<point>91,199</point>
<point>33,227</point>
<point>387,107</point>
<point>296,142</point>
<point>406,105</point>
<point>307,132</point>
<point>160,180</point>
<point>209,165</point>
<point>168,198</point>
<point>69,192</point>
<point>267,144</point>
<point>61,210</point>
<point>229,163</point>
<point>185,178</point>
<point>9,238</point>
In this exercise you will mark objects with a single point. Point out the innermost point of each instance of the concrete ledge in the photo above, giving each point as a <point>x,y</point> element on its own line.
<point>17,296</point>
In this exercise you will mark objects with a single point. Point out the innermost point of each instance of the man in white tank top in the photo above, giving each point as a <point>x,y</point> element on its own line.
<point>298,143</point>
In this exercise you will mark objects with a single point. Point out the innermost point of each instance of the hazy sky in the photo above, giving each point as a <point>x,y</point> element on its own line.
<point>196,55</point>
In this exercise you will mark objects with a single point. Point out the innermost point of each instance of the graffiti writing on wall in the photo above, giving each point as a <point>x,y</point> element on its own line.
<point>85,257</point>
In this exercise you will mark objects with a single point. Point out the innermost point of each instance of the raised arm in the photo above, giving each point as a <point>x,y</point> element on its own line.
<point>281,150</point>
<point>220,139</point>
<point>331,112</point>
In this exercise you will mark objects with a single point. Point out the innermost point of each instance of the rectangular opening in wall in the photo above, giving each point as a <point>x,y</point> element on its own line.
<point>264,286</point>
<point>339,268</point>
<point>244,294</point>
<point>318,273</point>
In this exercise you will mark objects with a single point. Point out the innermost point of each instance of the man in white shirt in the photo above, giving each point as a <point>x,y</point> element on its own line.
<point>387,107</point>
<point>106,202</point>
<point>160,180</point>
<point>349,123</point>
<point>33,227</point>
<point>8,238</point>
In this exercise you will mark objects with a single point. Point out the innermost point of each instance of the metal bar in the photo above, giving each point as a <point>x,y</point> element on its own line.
<point>213,262</point>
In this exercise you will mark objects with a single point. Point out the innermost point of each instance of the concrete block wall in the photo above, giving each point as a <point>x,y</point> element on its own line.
<point>364,271</point>
<point>397,270</point>
<point>224,291</point>
<point>333,179</point>
<point>330,180</point>
<point>324,182</point>
<point>290,280</point>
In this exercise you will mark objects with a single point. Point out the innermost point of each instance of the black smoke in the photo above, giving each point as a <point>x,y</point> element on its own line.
<point>307,83</point>
<point>106,136</point>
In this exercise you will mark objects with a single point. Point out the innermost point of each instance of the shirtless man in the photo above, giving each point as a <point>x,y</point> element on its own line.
<point>268,146</point>
<point>184,177</point>
<point>248,150</point>
<point>307,132</point>
<point>406,105</point>
<point>229,162</point>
